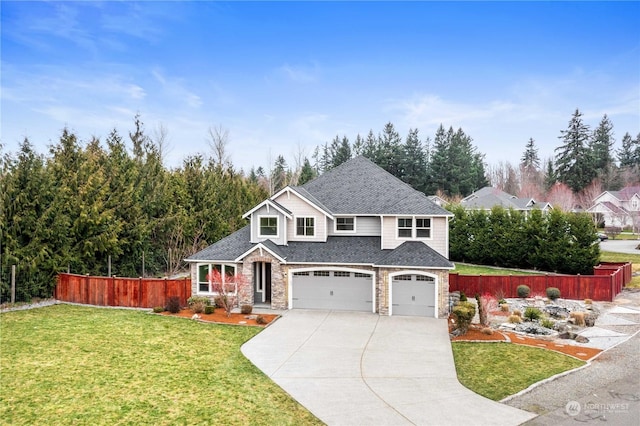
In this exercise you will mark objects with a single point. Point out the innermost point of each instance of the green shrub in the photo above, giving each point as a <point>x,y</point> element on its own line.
<point>523,291</point>
<point>260,320</point>
<point>209,310</point>
<point>199,299</point>
<point>197,307</point>
<point>502,301</point>
<point>464,313</point>
<point>246,309</point>
<point>553,293</point>
<point>173,305</point>
<point>158,309</point>
<point>463,297</point>
<point>532,313</point>
<point>548,323</point>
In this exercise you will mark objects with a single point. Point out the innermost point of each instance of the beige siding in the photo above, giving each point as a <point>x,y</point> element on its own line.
<point>300,208</point>
<point>255,225</point>
<point>439,236</point>
<point>366,226</point>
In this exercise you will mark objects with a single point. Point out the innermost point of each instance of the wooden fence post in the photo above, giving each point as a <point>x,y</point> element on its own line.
<point>13,283</point>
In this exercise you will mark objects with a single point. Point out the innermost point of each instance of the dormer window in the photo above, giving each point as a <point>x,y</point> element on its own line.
<point>268,226</point>
<point>305,226</point>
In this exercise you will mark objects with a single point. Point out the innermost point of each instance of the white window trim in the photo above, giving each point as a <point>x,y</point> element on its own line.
<point>414,228</point>
<point>430,228</point>
<point>315,227</point>
<point>222,272</point>
<point>411,237</point>
<point>277,235</point>
<point>339,231</point>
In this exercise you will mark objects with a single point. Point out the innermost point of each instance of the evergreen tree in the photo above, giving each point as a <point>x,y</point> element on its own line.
<point>307,173</point>
<point>627,154</point>
<point>439,166</point>
<point>601,149</point>
<point>342,152</point>
<point>279,174</point>
<point>530,161</point>
<point>358,146</point>
<point>574,161</point>
<point>390,153</point>
<point>414,163</point>
<point>550,177</point>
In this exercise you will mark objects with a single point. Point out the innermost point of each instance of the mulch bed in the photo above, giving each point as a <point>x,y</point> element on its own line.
<point>220,317</point>
<point>581,352</point>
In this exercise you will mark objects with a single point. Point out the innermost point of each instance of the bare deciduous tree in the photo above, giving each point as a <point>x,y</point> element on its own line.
<point>218,141</point>
<point>561,197</point>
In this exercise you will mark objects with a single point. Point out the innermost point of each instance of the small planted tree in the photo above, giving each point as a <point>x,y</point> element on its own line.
<point>226,286</point>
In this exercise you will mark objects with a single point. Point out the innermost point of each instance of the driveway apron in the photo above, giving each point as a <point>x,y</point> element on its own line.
<point>351,368</point>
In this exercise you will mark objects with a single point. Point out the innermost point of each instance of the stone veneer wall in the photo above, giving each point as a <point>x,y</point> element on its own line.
<point>278,279</point>
<point>443,289</point>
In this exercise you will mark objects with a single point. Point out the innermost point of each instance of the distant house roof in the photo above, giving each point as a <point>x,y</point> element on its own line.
<point>359,186</point>
<point>488,197</point>
<point>627,193</point>
<point>336,250</point>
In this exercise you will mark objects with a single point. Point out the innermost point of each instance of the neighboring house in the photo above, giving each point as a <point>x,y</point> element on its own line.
<point>618,208</point>
<point>489,197</point>
<point>355,238</point>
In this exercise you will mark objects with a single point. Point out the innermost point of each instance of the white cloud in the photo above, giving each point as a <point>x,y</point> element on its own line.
<point>300,73</point>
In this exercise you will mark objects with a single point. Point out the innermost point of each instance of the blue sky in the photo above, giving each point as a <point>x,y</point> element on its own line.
<point>283,77</point>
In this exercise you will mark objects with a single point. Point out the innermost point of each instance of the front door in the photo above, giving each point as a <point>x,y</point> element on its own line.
<point>262,282</point>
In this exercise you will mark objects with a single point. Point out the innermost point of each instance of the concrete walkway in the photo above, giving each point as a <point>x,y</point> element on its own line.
<point>352,368</point>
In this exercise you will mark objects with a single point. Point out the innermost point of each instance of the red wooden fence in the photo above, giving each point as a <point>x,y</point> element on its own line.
<point>607,282</point>
<point>117,291</point>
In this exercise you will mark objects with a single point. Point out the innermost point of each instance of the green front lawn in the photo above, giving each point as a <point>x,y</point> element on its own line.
<point>469,269</point>
<point>77,365</point>
<point>497,370</point>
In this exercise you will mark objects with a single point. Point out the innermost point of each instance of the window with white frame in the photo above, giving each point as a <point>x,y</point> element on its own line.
<point>268,226</point>
<point>423,228</point>
<point>419,227</point>
<point>341,274</point>
<point>424,278</point>
<point>205,271</point>
<point>405,227</point>
<point>361,275</point>
<point>305,226</point>
<point>320,273</point>
<point>345,224</point>
<point>634,204</point>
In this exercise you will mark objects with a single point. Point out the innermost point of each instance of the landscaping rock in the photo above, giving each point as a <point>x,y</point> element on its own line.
<point>533,328</point>
<point>581,339</point>
<point>569,335</point>
<point>556,311</point>
<point>590,319</point>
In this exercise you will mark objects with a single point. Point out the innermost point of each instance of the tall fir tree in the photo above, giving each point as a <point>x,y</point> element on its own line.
<point>574,161</point>
<point>414,164</point>
<point>601,145</point>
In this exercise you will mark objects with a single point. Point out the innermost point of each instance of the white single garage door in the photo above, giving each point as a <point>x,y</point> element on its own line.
<point>336,290</point>
<point>413,295</point>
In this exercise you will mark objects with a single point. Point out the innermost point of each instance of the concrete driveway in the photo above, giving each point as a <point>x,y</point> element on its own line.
<point>352,368</point>
<point>620,246</point>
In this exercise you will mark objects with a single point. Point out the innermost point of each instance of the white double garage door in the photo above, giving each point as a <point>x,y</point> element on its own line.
<point>412,294</point>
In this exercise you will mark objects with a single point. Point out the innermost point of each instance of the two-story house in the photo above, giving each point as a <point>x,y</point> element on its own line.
<point>618,208</point>
<point>355,238</point>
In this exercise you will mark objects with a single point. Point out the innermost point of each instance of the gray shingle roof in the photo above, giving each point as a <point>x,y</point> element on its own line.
<point>338,250</point>
<point>359,186</point>
<point>414,253</point>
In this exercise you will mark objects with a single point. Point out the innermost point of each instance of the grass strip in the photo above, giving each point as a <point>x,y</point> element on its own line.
<point>497,370</point>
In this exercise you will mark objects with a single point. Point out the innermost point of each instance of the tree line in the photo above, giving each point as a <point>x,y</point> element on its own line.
<point>583,165</point>
<point>83,203</point>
